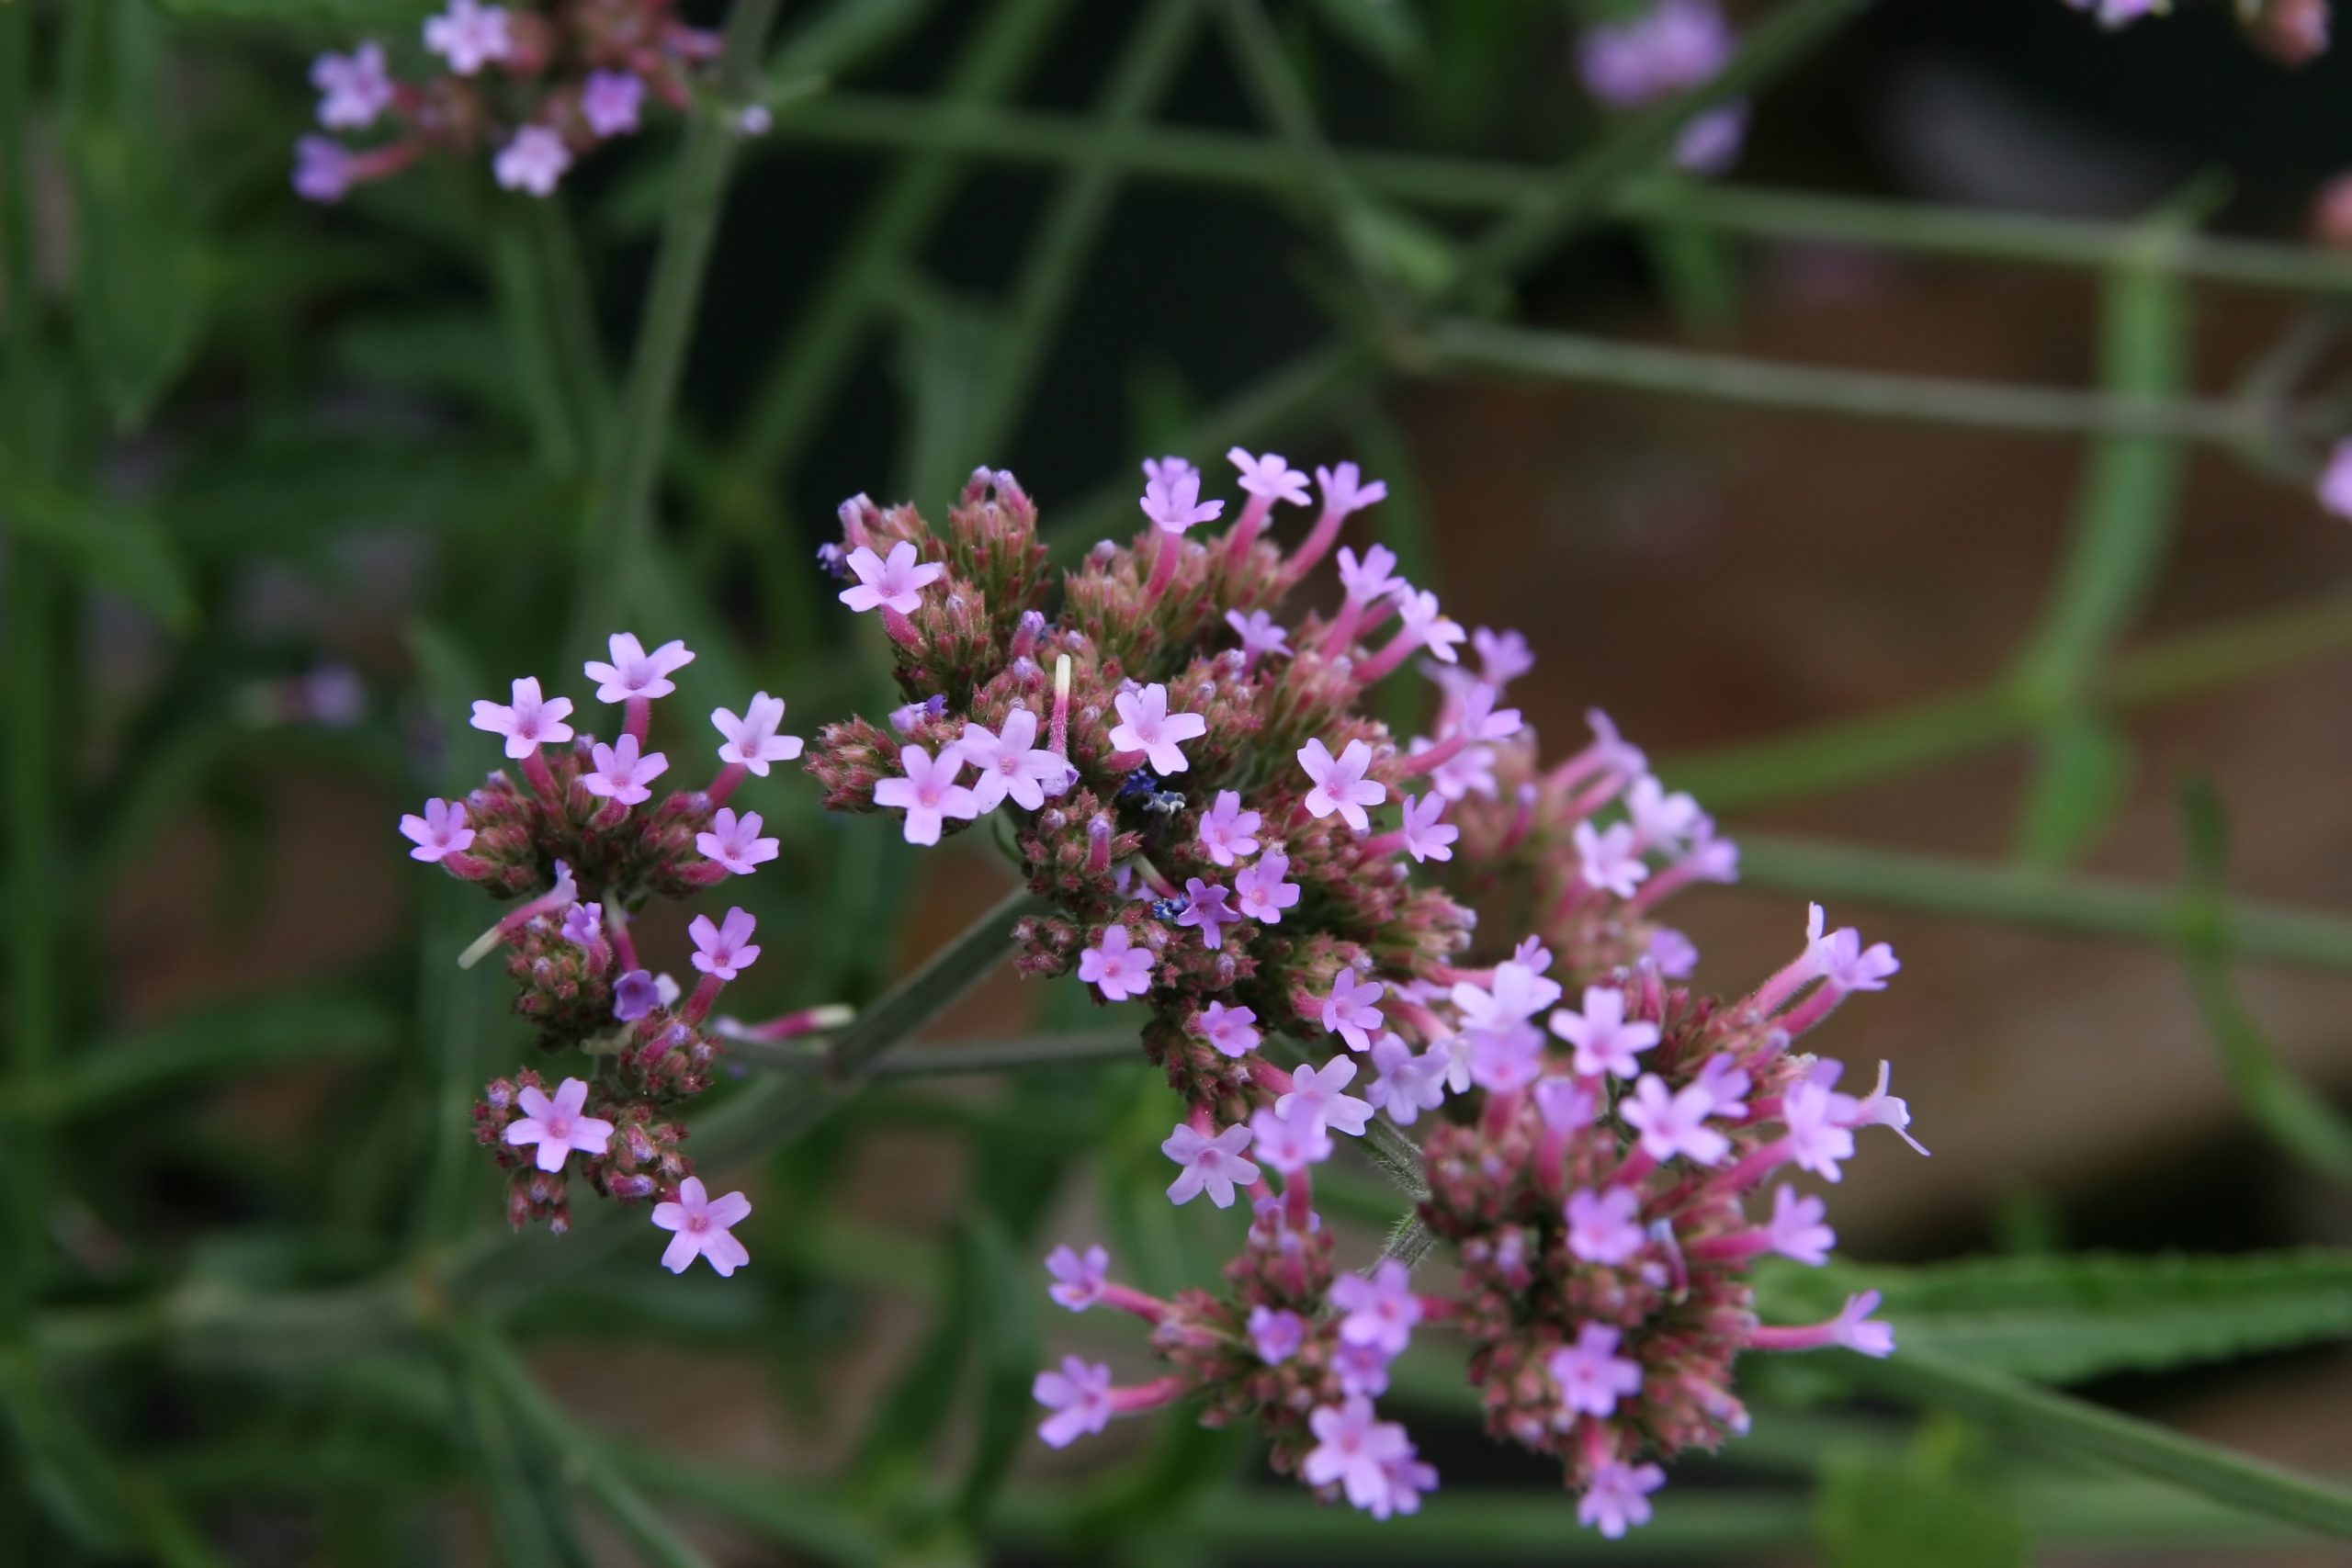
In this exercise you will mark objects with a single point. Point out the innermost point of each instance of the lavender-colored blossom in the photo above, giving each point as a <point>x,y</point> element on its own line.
<point>1610,861</point>
<point>1215,1166</point>
<point>1078,1279</point>
<point>723,950</point>
<point>928,793</point>
<point>2335,487</point>
<point>752,740</point>
<point>702,1227</point>
<point>1260,634</point>
<point>1315,1096</point>
<point>1079,1396</point>
<point>1227,833</point>
<point>1604,1227</point>
<point>1796,1230</point>
<point>441,831</point>
<point>1674,45</point>
<point>735,842</point>
<point>1275,1334</point>
<point>1428,626</point>
<point>1725,1084</point>
<point>1817,1137</point>
<point>1880,1108</point>
<point>582,925</point>
<point>1512,994</point>
<point>1259,890</point>
<point>1856,1331</point>
<point>1564,1104</point>
<point>1674,1123</point>
<point>1354,1448</point>
<point>1286,1145</point>
<point>624,772</point>
<point>1115,966</point>
<point>1617,1497</point>
<point>1173,502</point>
<point>1348,1011</point>
<point>634,673</point>
<point>1377,1309</point>
<point>1168,469</point>
<point>1427,835</point>
<point>353,88</point>
<point>1204,907</point>
<point>1503,656</point>
<point>1269,477</point>
<point>611,101</point>
<point>533,159</point>
<point>1148,727</point>
<point>1345,492</point>
<point>1371,577</point>
<point>1591,1374</point>
<point>324,170</point>
<point>1505,1059</point>
<point>528,722</point>
<point>1340,782</point>
<point>1604,1042</point>
<point>1675,955</point>
<point>1406,1083</point>
<point>1709,144</point>
<point>635,994</point>
<point>1010,763</point>
<point>1229,1029</point>
<point>1362,1368</point>
<point>896,583</point>
<point>557,1125</point>
<point>468,35</point>
<point>1660,818</point>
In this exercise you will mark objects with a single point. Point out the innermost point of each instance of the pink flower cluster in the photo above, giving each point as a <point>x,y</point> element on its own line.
<point>1670,48</point>
<point>1293,896</point>
<point>581,844</point>
<point>540,89</point>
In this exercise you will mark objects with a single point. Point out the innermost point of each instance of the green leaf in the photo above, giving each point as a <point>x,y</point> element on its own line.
<point>2064,1319</point>
<point>948,352</point>
<point>113,545</point>
<point>1004,1323</point>
<point>2082,773</point>
<point>211,1044</point>
<point>65,1469</point>
<point>1921,1510</point>
<point>1389,32</point>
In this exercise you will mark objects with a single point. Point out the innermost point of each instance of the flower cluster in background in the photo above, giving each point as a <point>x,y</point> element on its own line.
<point>537,89</point>
<point>1326,926</point>
<point>583,844</point>
<point>1655,53</point>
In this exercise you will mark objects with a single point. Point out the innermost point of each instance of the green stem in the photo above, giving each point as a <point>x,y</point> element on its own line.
<point>623,511</point>
<point>522,302</point>
<point>963,1057</point>
<point>571,319</point>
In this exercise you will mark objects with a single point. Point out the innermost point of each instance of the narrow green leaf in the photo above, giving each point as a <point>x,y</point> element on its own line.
<point>2082,774</point>
<point>1921,1510</point>
<point>114,546</point>
<point>1388,32</point>
<point>211,1044</point>
<point>64,1468</point>
<point>1004,1323</point>
<point>516,1482</point>
<point>946,359</point>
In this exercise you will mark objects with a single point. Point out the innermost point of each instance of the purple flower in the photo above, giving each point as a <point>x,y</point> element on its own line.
<point>1591,1375</point>
<point>322,169</point>
<point>1354,1450</point>
<point>1659,818</point>
<point>1115,966</point>
<point>1362,1368</point>
<point>1817,1136</point>
<point>634,996</point>
<point>1260,634</point>
<point>752,740</point>
<point>1673,45</point>
<point>1348,1011</point>
<point>1617,1497</point>
<point>1227,833</point>
<point>528,722</point>
<point>1079,1280</point>
<point>1408,1084</point>
<point>1408,1479</point>
<point>622,772</point>
<point>735,842</point>
<point>1610,861</point>
<point>1204,906</point>
<point>442,830</point>
<point>1148,727</point>
<point>1796,1230</point>
<point>353,88</point>
<point>1428,627</point>
<point>1503,656</point>
<point>1340,782</point>
<point>1604,1227</point>
<point>557,1125</point>
<point>582,924</point>
<point>1610,750</point>
<point>1275,1334</point>
<point>1506,1058</point>
<point>1880,1108</point>
<point>1079,1396</point>
<point>1513,994</point>
<point>702,1227</point>
<point>1269,477</point>
<point>1228,1029</point>
<point>1674,1124</point>
<point>1345,492</point>
<point>637,674</point>
<point>1709,144</point>
<point>1564,1104</point>
<point>1426,833</point>
<point>1854,1330</point>
<point>1315,1096</point>
<point>1675,955</point>
<point>894,584</point>
<point>1010,763</point>
<point>1604,1042</point>
<point>2335,489</point>
<point>468,35</point>
<point>1726,1085</point>
<point>1168,470</point>
<point>1173,501</point>
<point>533,159</point>
<point>1289,1146</point>
<point>611,101</point>
<point>929,793</point>
<point>1261,890</point>
<point>723,950</point>
<point>1213,1166</point>
<point>1371,577</point>
<point>1380,1309</point>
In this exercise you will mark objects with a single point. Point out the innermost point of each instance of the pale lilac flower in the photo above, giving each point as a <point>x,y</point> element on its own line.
<point>1204,906</point>
<point>752,740</point>
<point>735,842</point>
<point>1513,994</point>
<point>557,1125</point>
<point>1407,1084</point>
<point>704,1228</point>
<point>1010,763</point>
<point>1507,1059</point>
<point>1534,956</point>
<point>1675,955</point>
<point>1227,833</point>
<point>1708,859</point>
<point>1362,1368</point>
<point>1428,626</point>
<point>1617,1497</point>
<point>1380,1309</point>
<point>1148,727</point>
<point>1847,965</point>
<point>1726,1085</point>
<point>468,35</point>
<point>1477,716</point>
<point>1115,966</point>
<point>1610,748</point>
<point>1079,1280</point>
<point>893,585</point>
<point>1340,782</point>
<point>353,88</point>
<point>1796,1230</point>
<point>723,950</point>
<point>1427,835</point>
<point>1565,1104</point>
<point>1228,1029</point>
<point>1173,502</point>
<point>442,830</point>
<point>1470,771</point>
<point>623,771</point>
<point>1880,1108</point>
<point>1354,1450</point>
<point>635,994</point>
<point>1269,477</point>
<point>1315,1096</point>
<point>1079,1396</point>
<point>2336,481</point>
<point>1213,1166</point>
<point>1275,1334</point>
<point>1675,1123</point>
<point>1817,1135</point>
<point>1673,45</point>
<point>1261,890</point>
<point>1262,635</point>
<point>582,924</point>
<point>611,101</point>
<point>1854,1329</point>
<point>1610,861</point>
<point>1604,1042</point>
<point>754,120</point>
<point>1371,577</point>
<point>1344,492</point>
<point>1709,144</point>
<point>528,722</point>
<point>1503,656</point>
<point>533,159</point>
<point>1168,470</point>
<point>1591,1376</point>
<point>1348,1011</point>
<point>323,169</point>
<point>1409,1477</point>
<point>1285,1145</point>
<point>1604,1227</point>
<point>929,793</point>
<point>1660,818</point>
<point>637,674</point>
